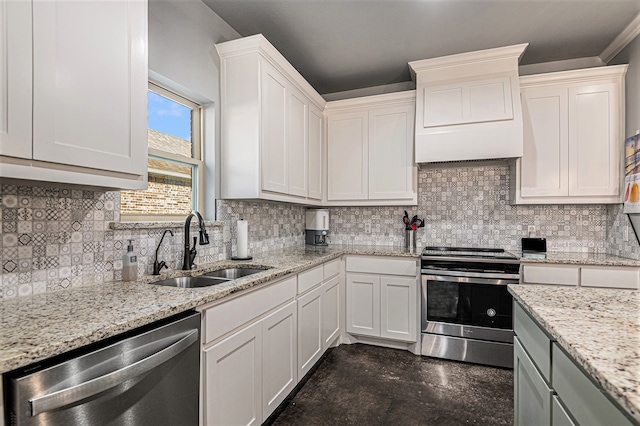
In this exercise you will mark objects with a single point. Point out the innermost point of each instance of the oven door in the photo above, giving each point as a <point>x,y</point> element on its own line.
<point>467,306</point>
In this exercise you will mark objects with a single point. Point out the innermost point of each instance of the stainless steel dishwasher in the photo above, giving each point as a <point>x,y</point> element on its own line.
<point>146,377</point>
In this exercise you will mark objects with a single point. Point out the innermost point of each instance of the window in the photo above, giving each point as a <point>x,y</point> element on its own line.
<point>175,160</point>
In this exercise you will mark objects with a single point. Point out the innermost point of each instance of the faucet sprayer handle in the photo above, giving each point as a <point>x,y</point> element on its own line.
<point>204,237</point>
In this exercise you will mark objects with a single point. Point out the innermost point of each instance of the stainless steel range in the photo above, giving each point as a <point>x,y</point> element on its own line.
<point>466,308</point>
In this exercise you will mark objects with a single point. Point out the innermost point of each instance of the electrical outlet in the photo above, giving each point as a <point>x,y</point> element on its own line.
<point>367,227</point>
<point>531,228</point>
<point>625,234</point>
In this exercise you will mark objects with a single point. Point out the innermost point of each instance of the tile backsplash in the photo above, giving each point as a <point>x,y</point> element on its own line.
<point>56,237</point>
<point>59,237</point>
<point>469,206</point>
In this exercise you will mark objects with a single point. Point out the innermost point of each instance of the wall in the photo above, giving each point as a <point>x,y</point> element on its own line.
<point>617,221</point>
<point>182,56</point>
<point>469,206</point>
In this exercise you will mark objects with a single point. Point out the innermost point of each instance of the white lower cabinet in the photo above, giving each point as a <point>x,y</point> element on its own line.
<point>363,304</point>
<point>248,374</point>
<point>398,308</point>
<point>279,357</point>
<point>330,312</point>
<point>233,379</point>
<point>581,275</point>
<point>309,330</point>
<point>259,345</point>
<point>382,304</point>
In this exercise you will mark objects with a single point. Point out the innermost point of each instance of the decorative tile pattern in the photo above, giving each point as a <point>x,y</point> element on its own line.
<point>469,206</point>
<point>59,237</point>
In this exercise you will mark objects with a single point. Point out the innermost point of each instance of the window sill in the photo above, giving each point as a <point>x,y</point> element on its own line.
<point>156,225</point>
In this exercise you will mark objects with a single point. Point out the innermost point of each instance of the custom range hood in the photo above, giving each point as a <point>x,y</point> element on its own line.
<point>468,106</point>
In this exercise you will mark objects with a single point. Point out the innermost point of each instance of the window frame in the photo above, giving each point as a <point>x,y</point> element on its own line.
<point>195,161</point>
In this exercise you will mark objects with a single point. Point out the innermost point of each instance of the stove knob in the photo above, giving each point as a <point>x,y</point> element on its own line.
<point>491,312</point>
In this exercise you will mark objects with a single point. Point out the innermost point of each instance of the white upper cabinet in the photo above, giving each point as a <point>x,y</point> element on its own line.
<point>88,82</point>
<point>573,128</point>
<point>275,155</point>
<point>370,150</point>
<point>315,160</point>
<point>391,165</point>
<point>347,158</point>
<point>15,79</point>
<point>468,106</point>
<point>271,126</point>
<point>298,143</point>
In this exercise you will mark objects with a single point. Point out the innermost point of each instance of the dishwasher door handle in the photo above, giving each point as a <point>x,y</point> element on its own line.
<point>100,384</point>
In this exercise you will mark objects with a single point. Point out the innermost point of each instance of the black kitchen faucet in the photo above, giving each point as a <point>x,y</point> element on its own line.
<point>190,252</point>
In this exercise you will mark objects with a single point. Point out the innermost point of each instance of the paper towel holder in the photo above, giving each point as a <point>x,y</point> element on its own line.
<point>241,258</point>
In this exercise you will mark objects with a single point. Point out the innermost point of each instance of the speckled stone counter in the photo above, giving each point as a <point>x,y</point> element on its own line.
<point>41,326</point>
<point>599,259</point>
<point>599,328</point>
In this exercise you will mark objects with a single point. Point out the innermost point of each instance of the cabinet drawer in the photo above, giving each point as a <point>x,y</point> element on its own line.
<point>382,265</point>
<point>585,401</point>
<point>228,316</point>
<point>309,279</point>
<point>609,277</point>
<point>534,339</point>
<point>331,269</point>
<point>558,275</point>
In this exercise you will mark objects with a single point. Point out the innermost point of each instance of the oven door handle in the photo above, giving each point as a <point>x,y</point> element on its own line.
<point>471,278</point>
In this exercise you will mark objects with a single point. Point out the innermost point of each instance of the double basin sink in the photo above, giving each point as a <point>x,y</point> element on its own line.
<point>210,278</point>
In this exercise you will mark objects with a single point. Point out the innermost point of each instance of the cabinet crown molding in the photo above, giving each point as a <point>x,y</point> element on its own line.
<point>468,58</point>
<point>574,76</point>
<point>260,45</point>
<point>386,99</point>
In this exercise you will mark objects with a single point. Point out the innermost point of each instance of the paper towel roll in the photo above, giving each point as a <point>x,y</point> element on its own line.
<point>242,237</point>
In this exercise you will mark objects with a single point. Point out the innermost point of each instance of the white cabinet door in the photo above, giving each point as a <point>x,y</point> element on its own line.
<point>391,165</point>
<point>532,396</point>
<point>297,141</point>
<point>279,355</point>
<point>545,162</point>
<point>594,140</point>
<point>233,379</point>
<point>330,311</point>
<point>275,155</point>
<point>90,84</point>
<point>398,309</point>
<point>315,153</point>
<point>309,330</point>
<point>348,156</point>
<point>15,78</point>
<point>363,304</point>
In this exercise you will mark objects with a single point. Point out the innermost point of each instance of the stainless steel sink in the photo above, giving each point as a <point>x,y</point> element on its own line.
<point>233,273</point>
<point>209,279</point>
<point>191,282</point>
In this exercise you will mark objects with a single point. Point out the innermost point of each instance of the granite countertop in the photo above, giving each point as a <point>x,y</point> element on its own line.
<point>41,326</point>
<point>595,259</point>
<point>599,328</point>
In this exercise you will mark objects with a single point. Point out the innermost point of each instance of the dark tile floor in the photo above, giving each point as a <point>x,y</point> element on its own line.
<point>368,385</point>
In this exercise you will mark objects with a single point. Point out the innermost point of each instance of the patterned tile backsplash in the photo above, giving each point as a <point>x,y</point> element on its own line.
<point>56,237</point>
<point>469,206</point>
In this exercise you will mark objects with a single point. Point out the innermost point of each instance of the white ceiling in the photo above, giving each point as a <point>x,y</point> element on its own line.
<point>340,45</point>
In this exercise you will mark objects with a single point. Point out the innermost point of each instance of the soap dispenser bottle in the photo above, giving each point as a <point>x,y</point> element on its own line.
<point>130,264</point>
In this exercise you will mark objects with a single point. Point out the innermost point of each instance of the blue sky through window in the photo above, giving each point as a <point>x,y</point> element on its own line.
<point>167,116</point>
